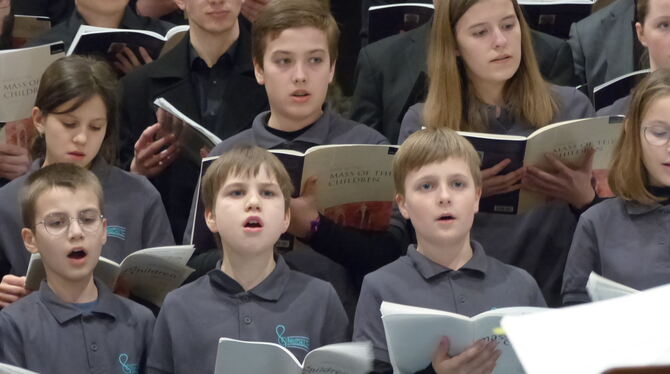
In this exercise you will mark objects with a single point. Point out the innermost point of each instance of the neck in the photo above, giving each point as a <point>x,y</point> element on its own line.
<point>279,122</point>
<point>211,47</point>
<point>452,254</point>
<point>249,271</point>
<point>490,93</point>
<point>69,291</point>
<point>112,20</point>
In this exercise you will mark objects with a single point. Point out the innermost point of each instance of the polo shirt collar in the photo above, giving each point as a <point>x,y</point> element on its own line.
<point>429,269</point>
<point>270,289</point>
<point>635,208</point>
<point>99,167</point>
<point>64,312</point>
<point>317,134</point>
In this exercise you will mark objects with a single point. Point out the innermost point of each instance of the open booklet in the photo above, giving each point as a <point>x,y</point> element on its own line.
<point>593,337</point>
<point>390,19</point>
<point>195,140</point>
<point>607,93</point>
<point>148,274</point>
<point>242,357</point>
<point>354,187</point>
<point>20,74</point>
<point>107,41</point>
<point>413,334</point>
<point>28,27</point>
<point>568,140</point>
<point>9,369</point>
<point>601,288</point>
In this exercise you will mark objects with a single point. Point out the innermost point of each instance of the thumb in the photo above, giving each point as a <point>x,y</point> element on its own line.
<point>587,161</point>
<point>442,351</point>
<point>309,187</point>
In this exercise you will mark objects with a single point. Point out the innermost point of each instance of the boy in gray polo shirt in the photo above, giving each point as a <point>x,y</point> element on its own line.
<point>438,184</point>
<point>73,324</point>
<point>252,295</point>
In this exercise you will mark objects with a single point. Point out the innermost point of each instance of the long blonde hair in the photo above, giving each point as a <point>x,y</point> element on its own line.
<point>452,103</point>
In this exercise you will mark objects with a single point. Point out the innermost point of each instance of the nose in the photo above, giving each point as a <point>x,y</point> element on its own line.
<point>253,202</point>
<point>74,231</point>
<point>499,38</point>
<point>80,137</point>
<point>444,196</point>
<point>299,75</point>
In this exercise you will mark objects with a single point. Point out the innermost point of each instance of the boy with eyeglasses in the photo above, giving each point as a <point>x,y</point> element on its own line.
<point>73,323</point>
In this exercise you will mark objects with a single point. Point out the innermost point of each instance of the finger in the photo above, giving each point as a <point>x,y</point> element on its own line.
<point>309,187</point>
<point>12,169</point>
<point>545,177</point>
<point>21,159</point>
<point>534,184</point>
<point>162,159</point>
<point>12,150</point>
<point>503,190</point>
<point>507,179</point>
<point>130,55</point>
<point>145,55</point>
<point>481,362</point>
<point>495,169</point>
<point>122,63</point>
<point>154,149</point>
<point>13,280</point>
<point>465,357</point>
<point>587,161</point>
<point>442,351</point>
<point>147,136</point>
<point>557,164</point>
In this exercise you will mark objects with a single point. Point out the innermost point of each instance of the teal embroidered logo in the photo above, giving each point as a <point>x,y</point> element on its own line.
<point>298,342</point>
<point>118,232</point>
<point>126,367</point>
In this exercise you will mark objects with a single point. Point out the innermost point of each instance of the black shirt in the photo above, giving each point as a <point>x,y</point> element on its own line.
<point>209,83</point>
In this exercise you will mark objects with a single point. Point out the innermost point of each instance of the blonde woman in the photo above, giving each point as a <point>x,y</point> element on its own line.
<point>626,239</point>
<point>484,77</point>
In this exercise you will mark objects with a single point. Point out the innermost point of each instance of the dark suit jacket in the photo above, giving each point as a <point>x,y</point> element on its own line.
<point>170,77</point>
<point>602,44</point>
<point>57,10</point>
<point>389,76</point>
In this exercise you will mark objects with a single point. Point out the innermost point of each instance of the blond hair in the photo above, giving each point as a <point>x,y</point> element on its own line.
<point>63,175</point>
<point>451,101</point>
<point>628,177</point>
<point>431,145</point>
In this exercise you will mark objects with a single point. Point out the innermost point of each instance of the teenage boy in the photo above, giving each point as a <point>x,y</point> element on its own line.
<point>74,323</point>
<point>209,77</point>
<point>294,46</point>
<point>438,184</point>
<point>252,295</point>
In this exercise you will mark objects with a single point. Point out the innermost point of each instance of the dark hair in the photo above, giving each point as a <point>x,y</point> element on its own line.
<point>77,79</point>
<point>7,28</point>
<point>280,15</point>
<point>70,176</point>
<point>642,10</point>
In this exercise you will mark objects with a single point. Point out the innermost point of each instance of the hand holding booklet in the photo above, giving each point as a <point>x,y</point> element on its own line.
<point>413,334</point>
<point>242,357</point>
<point>148,274</point>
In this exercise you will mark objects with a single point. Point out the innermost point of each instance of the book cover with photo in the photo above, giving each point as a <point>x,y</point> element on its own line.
<point>569,141</point>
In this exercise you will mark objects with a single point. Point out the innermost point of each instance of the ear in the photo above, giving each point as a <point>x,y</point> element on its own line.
<point>29,241</point>
<point>287,220</point>
<point>400,200</point>
<point>639,30</point>
<point>258,72</point>
<point>332,72</point>
<point>181,4</point>
<point>210,220</point>
<point>478,195</point>
<point>38,119</point>
<point>104,231</point>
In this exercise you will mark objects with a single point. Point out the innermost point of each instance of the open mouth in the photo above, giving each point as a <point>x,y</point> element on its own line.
<point>445,218</point>
<point>300,94</point>
<point>253,223</point>
<point>77,254</point>
<point>501,59</point>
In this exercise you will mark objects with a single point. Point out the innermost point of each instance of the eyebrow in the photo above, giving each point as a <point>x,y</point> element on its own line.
<point>485,23</point>
<point>292,52</point>
<point>655,123</point>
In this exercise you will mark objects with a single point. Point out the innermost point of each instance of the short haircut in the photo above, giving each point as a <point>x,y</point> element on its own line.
<point>245,160</point>
<point>280,15</point>
<point>62,175</point>
<point>431,145</point>
<point>78,79</point>
<point>628,177</point>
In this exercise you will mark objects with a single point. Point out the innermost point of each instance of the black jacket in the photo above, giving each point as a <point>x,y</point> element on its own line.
<point>169,77</point>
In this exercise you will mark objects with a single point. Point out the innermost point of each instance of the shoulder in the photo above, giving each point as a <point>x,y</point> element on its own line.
<point>389,274</point>
<point>352,131</point>
<point>24,309</point>
<point>604,210</point>
<point>389,47</point>
<point>10,191</point>
<point>243,137</point>
<point>131,183</point>
<point>309,283</point>
<point>618,10</point>
<point>514,276</point>
<point>572,103</point>
<point>185,296</point>
<point>134,313</point>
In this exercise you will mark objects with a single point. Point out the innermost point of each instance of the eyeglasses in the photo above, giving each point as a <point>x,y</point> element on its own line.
<point>58,223</point>
<point>657,135</point>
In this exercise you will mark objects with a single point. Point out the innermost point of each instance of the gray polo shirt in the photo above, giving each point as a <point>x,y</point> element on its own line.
<point>135,215</point>
<point>44,334</point>
<point>483,283</point>
<point>288,308</point>
<point>539,240</point>
<point>624,241</point>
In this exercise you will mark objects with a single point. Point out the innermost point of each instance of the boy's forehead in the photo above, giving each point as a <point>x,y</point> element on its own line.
<point>249,175</point>
<point>296,40</point>
<point>448,166</point>
<point>61,198</point>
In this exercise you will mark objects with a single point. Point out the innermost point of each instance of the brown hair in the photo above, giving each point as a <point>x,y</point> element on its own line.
<point>78,79</point>
<point>280,15</point>
<point>62,175</point>
<point>452,103</point>
<point>245,160</point>
<point>433,145</point>
<point>628,177</point>
<point>7,28</point>
<point>642,10</point>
